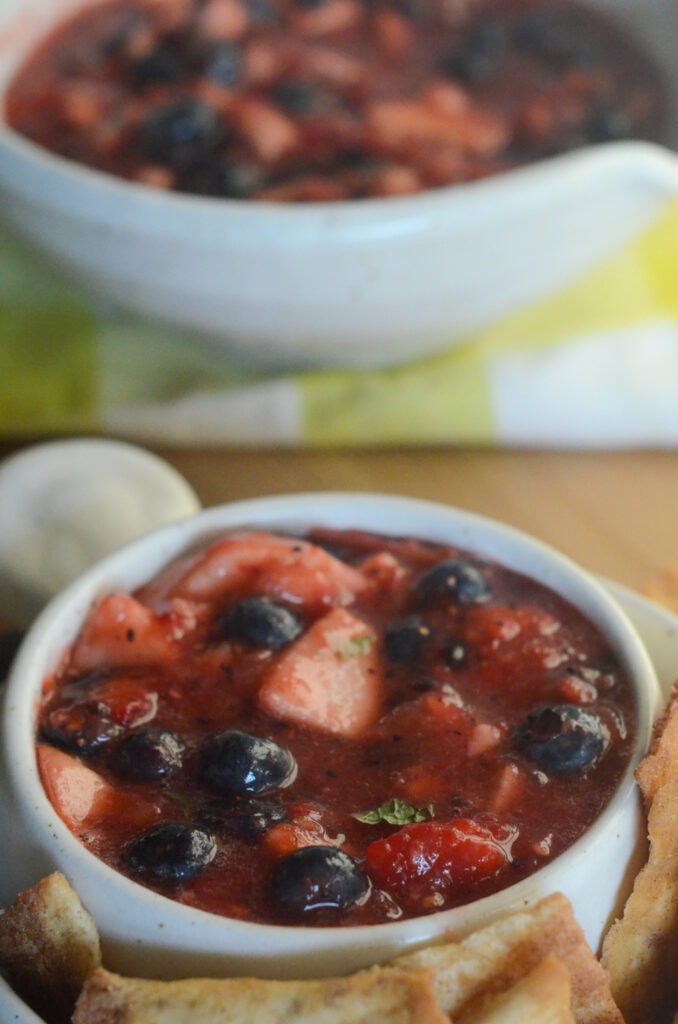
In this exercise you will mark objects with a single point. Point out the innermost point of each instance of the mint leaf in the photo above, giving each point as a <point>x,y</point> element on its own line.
<point>178,798</point>
<point>352,648</point>
<point>396,812</point>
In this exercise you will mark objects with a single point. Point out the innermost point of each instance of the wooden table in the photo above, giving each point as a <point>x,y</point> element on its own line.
<point>615,513</point>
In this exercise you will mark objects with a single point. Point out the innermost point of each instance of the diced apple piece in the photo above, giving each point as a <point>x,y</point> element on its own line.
<point>121,633</point>
<point>282,567</point>
<point>77,794</point>
<point>329,679</point>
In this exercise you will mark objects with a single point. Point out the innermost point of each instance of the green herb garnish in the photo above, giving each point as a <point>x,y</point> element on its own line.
<point>356,646</point>
<point>396,812</point>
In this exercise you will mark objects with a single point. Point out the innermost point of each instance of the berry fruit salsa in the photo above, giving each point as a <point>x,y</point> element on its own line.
<point>299,100</point>
<point>340,728</point>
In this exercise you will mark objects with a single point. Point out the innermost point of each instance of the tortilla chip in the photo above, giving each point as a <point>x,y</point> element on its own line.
<point>494,958</point>
<point>541,997</point>
<point>386,996</point>
<point>655,770</point>
<point>49,945</point>
<point>640,951</point>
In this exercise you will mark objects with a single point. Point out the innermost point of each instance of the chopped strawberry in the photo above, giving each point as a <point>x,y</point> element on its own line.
<point>329,679</point>
<point>525,638</point>
<point>303,828</point>
<point>385,575</point>
<point>123,633</point>
<point>282,567</point>
<point>130,702</point>
<point>443,857</point>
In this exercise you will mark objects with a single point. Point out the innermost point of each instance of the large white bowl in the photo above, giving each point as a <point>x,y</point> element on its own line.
<point>366,282</point>
<point>149,934</point>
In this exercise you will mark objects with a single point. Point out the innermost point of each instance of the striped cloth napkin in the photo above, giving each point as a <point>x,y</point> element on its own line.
<point>595,365</point>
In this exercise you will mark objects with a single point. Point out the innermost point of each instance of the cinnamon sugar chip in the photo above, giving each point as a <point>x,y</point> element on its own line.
<point>640,951</point>
<point>386,996</point>
<point>492,959</point>
<point>49,945</point>
<point>541,997</point>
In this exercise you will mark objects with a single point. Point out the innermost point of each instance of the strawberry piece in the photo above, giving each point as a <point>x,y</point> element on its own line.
<point>128,701</point>
<point>121,633</point>
<point>442,857</point>
<point>284,567</point>
<point>329,679</point>
<point>517,639</point>
<point>303,828</point>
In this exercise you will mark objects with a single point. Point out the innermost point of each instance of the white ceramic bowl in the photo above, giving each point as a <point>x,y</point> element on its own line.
<point>146,933</point>
<point>367,282</point>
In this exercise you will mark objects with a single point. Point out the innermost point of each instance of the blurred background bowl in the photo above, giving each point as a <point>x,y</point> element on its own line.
<point>362,282</point>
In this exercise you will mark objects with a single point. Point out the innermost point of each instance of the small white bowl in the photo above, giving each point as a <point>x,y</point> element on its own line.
<point>145,933</point>
<point>363,282</point>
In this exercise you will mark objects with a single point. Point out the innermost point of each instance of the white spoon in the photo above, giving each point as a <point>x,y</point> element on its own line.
<point>66,504</point>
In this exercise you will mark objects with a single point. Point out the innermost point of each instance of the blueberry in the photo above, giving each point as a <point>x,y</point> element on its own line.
<point>479,58</point>
<point>404,640</point>
<point>183,133</point>
<point>261,12</point>
<point>116,42</point>
<point>230,180</point>
<point>79,729</point>
<point>150,754</point>
<point>460,580</point>
<point>247,819</point>
<point>297,97</point>
<point>239,762</point>
<point>557,39</point>
<point>314,877</point>
<point>171,852</point>
<point>161,66</point>
<point>609,124</point>
<point>263,623</point>
<point>224,64</point>
<point>561,739</point>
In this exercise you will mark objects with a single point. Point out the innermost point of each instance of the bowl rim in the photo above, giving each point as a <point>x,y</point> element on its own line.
<point>167,543</point>
<point>641,160</point>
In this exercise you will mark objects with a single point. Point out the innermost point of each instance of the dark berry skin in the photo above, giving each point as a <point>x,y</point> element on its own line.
<point>247,819</point>
<point>224,64</point>
<point>463,582</point>
<point>171,852</point>
<point>557,39</point>
<point>607,124</point>
<point>160,67</point>
<point>479,58</point>
<point>263,623</point>
<point>299,97</point>
<point>229,180</point>
<point>79,729</point>
<point>561,739</point>
<point>239,762</point>
<point>404,640</point>
<point>150,754</point>
<point>316,877</point>
<point>183,133</point>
